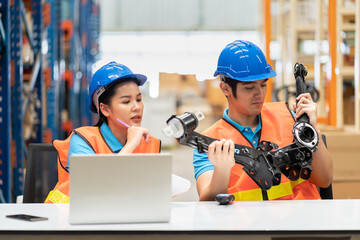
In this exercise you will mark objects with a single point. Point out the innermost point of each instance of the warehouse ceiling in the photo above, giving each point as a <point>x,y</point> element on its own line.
<point>184,15</point>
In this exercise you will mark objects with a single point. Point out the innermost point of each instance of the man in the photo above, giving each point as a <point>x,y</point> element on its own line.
<point>244,74</point>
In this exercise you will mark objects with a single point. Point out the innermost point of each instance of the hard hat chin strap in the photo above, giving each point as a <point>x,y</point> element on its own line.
<point>96,97</point>
<point>222,77</point>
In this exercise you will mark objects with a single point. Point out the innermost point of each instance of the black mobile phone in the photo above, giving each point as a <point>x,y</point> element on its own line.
<point>26,217</point>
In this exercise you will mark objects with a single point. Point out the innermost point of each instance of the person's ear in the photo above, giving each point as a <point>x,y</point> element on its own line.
<point>225,88</point>
<point>104,109</point>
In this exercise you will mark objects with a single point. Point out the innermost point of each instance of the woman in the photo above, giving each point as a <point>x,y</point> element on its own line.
<point>114,94</point>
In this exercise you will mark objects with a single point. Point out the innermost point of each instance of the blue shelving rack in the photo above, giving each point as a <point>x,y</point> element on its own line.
<point>21,102</point>
<point>51,70</point>
<point>70,48</point>
<point>83,30</point>
<point>16,64</point>
<point>80,25</point>
<point>5,121</point>
<point>37,76</point>
<point>89,27</point>
<point>75,55</point>
<point>13,103</point>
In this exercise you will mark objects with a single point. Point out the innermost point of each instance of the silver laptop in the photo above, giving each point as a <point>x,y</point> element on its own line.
<point>111,188</point>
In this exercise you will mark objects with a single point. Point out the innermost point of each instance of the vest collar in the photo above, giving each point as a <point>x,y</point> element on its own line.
<point>238,126</point>
<point>110,139</point>
<point>245,131</point>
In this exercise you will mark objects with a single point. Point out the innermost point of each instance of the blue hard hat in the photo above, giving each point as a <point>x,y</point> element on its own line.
<point>243,61</point>
<point>106,75</point>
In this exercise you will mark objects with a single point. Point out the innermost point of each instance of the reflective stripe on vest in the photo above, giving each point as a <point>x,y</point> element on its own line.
<point>276,192</point>
<point>93,137</point>
<point>59,194</point>
<point>55,196</point>
<point>276,122</point>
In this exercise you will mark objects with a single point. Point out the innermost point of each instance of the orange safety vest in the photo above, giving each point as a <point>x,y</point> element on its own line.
<point>276,126</point>
<point>93,137</point>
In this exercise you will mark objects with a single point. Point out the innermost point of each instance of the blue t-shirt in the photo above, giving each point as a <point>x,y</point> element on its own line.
<point>201,161</point>
<point>79,146</point>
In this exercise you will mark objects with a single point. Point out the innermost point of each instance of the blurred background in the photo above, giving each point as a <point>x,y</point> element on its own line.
<point>50,49</point>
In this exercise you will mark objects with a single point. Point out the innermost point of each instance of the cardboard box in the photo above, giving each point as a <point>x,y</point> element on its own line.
<point>346,189</point>
<point>169,83</point>
<point>345,151</point>
<point>179,84</point>
<point>189,85</point>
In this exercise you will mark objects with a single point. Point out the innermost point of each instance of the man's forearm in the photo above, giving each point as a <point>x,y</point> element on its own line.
<point>218,184</point>
<point>322,174</point>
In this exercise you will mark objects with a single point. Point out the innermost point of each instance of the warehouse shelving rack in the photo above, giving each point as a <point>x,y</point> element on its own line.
<point>267,39</point>
<point>24,103</point>
<point>291,30</point>
<point>357,67</point>
<point>89,29</point>
<point>16,65</point>
<point>5,166</point>
<point>40,85</point>
<point>80,34</point>
<point>346,73</point>
<point>330,20</point>
<point>347,36</point>
<point>51,70</point>
<point>69,45</point>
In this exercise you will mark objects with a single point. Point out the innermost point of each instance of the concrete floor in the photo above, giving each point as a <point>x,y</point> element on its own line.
<point>182,166</point>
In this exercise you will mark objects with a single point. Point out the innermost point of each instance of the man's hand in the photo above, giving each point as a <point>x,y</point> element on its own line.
<point>322,175</point>
<point>306,105</point>
<point>213,182</point>
<point>221,154</point>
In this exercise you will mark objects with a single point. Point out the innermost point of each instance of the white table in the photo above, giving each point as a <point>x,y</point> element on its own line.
<point>202,220</point>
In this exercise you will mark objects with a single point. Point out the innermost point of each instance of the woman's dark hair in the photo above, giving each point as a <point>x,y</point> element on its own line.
<point>106,97</point>
<point>232,83</point>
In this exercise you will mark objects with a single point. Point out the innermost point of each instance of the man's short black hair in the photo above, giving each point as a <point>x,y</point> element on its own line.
<point>232,83</point>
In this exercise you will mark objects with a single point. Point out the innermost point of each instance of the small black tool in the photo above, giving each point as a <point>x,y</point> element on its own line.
<point>224,198</point>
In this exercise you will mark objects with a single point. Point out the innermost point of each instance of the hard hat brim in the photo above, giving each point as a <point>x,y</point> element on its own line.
<point>139,79</point>
<point>248,78</point>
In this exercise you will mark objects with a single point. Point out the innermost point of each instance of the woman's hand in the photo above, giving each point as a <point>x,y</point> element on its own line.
<point>134,135</point>
<point>221,154</point>
<point>308,106</point>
